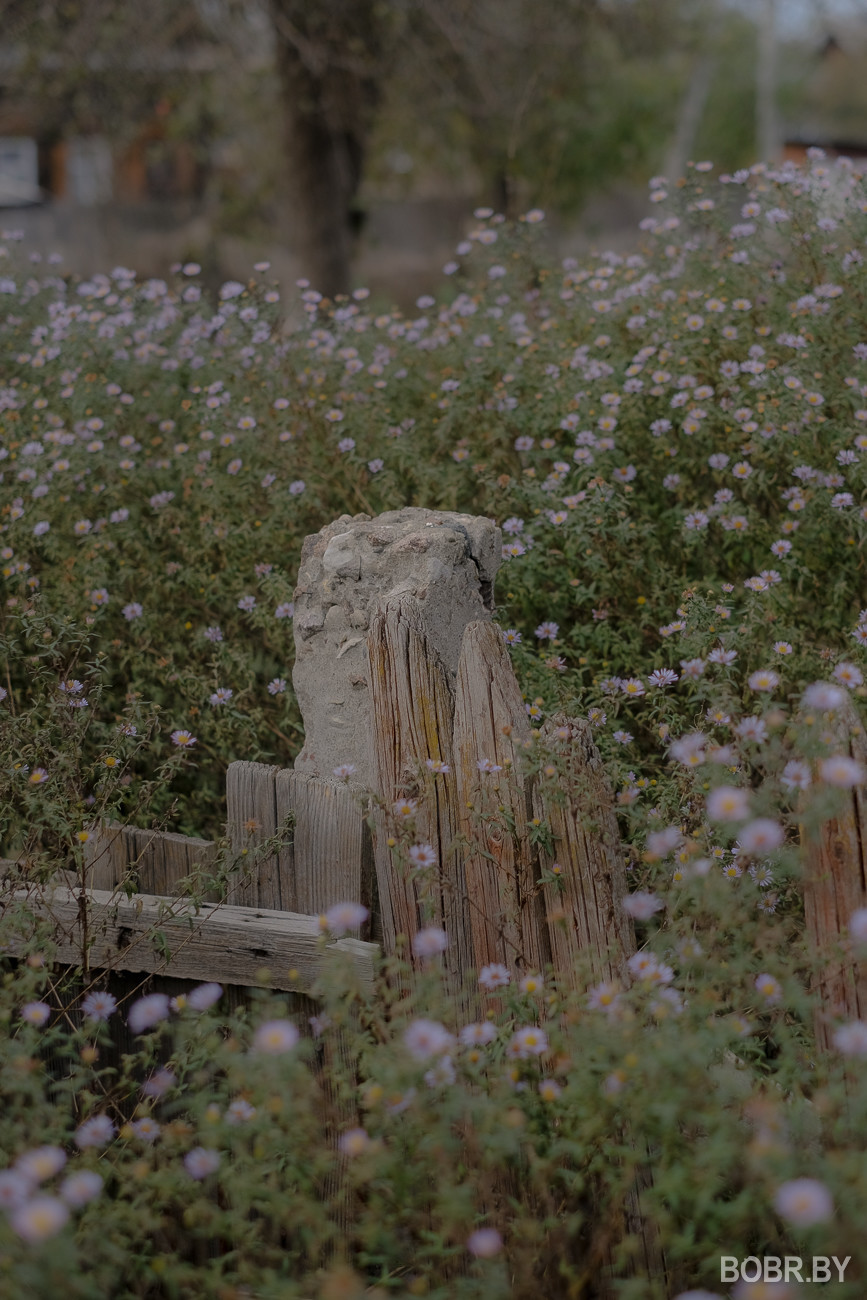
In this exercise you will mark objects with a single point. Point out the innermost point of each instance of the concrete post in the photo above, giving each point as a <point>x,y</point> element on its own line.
<point>447,561</point>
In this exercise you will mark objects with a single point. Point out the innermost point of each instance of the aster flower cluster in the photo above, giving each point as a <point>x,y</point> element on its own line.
<point>673,442</point>
<point>35,1214</point>
<point>700,396</point>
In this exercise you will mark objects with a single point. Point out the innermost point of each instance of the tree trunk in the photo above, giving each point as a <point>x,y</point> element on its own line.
<point>328,57</point>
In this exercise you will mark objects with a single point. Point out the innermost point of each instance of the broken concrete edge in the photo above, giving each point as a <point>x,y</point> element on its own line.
<point>446,560</point>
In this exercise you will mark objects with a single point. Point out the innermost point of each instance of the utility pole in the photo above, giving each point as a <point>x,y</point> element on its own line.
<point>690,114</point>
<point>766,83</point>
<point>698,89</point>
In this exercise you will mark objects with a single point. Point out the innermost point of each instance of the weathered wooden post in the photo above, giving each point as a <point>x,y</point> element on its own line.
<point>412,693</point>
<point>835,886</point>
<point>491,730</point>
<point>587,916</point>
<point>446,561</point>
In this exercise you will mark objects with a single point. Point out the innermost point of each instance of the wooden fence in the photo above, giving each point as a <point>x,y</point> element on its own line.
<point>479,816</point>
<point>393,631</point>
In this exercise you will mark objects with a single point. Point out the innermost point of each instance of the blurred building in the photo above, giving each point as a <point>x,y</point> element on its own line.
<point>97,199</point>
<point>156,197</point>
<point>155,200</point>
<point>88,170</point>
<point>97,206</point>
<point>834,116</point>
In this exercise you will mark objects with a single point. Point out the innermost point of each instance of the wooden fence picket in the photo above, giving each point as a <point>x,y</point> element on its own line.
<point>251,817</point>
<point>585,919</point>
<point>501,862</point>
<point>586,916</point>
<point>154,862</point>
<point>328,858</point>
<point>413,710</point>
<point>332,848</point>
<point>835,886</point>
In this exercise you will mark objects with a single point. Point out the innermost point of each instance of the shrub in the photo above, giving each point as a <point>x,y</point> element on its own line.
<point>673,442</point>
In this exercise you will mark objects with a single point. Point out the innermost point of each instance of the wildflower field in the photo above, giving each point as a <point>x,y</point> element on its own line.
<point>674,444</point>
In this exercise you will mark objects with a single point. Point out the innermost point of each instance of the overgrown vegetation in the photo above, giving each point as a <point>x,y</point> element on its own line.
<point>673,443</point>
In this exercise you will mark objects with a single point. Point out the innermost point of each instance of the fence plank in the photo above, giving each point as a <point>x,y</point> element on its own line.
<point>332,863</point>
<point>107,858</point>
<point>501,872</point>
<point>587,916</point>
<point>413,711</point>
<point>835,885</point>
<point>251,812</point>
<point>329,859</point>
<point>332,845</point>
<point>231,945</point>
<point>154,861</point>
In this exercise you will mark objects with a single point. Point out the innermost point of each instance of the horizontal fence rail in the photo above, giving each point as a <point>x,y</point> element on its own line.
<point>153,934</point>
